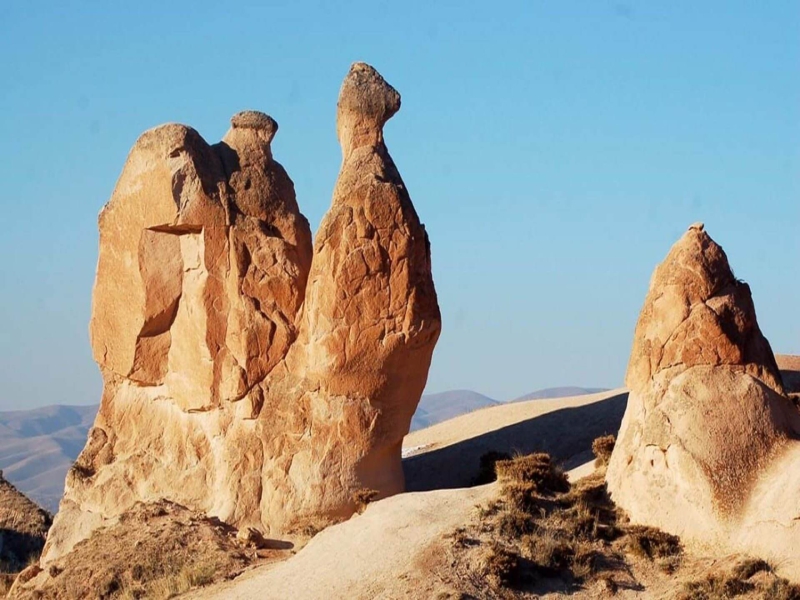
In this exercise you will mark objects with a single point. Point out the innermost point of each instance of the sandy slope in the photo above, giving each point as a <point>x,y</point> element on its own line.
<point>389,551</point>
<point>396,548</point>
<point>447,455</point>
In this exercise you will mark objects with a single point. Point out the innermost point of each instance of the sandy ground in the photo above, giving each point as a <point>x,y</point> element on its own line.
<point>401,547</point>
<point>397,546</point>
<point>388,550</point>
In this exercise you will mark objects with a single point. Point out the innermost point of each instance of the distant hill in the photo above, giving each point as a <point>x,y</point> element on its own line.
<point>38,446</point>
<point>434,408</point>
<point>559,392</point>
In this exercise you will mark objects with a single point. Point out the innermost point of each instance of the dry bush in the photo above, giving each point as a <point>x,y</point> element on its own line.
<point>586,563</point>
<point>652,543</point>
<point>781,589</point>
<point>500,566</point>
<point>750,566</point>
<point>542,531</point>
<point>536,470</point>
<point>715,587</point>
<point>737,583</point>
<point>363,497</point>
<point>515,523</point>
<point>589,513</point>
<point>602,448</point>
<point>548,552</point>
<point>486,468</point>
<point>520,496</point>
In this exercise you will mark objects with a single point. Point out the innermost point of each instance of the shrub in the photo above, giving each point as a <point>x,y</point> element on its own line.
<point>585,563</point>
<point>515,523</point>
<point>549,552</point>
<point>714,587</point>
<point>749,567</point>
<point>780,589</point>
<point>537,470</point>
<point>521,497</point>
<point>602,448</point>
<point>500,566</point>
<point>652,543</point>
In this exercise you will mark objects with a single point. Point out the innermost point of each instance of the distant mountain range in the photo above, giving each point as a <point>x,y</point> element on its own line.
<point>435,408</point>
<point>559,392</point>
<point>38,446</point>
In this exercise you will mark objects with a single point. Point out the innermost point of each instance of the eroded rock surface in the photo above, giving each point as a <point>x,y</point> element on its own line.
<point>708,422</point>
<point>245,379</point>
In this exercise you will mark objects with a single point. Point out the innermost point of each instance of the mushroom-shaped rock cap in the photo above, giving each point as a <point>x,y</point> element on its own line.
<point>258,121</point>
<point>366,102</point>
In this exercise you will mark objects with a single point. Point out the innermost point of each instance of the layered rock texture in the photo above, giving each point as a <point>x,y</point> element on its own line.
<point>708,448</point>
<point>246,375</point>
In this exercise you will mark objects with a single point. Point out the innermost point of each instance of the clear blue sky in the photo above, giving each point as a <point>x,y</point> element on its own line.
<point>554,149</point>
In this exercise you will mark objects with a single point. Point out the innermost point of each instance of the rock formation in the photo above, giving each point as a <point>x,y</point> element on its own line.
<point>242,378</point>
<point>708,448</point>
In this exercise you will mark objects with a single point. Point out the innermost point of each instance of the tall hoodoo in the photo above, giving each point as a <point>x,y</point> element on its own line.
<point>245,375</point>
<point>708,446</point>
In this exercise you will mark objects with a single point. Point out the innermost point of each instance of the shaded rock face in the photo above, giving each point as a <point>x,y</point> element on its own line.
<point>707,418</point>
<point>244,378</point>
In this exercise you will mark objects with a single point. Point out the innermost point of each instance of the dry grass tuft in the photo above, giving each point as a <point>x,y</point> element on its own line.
<point>602,448</point>
<point>716,587</point>
<point>655,545</point>
<point>781,589</point>
<point>548,551</point>
<point>363,497</point>
<point>541,533</point>
<point>536,471</point>
<point>738,583</point>
<point>750,566</point>
<point>500,566</point>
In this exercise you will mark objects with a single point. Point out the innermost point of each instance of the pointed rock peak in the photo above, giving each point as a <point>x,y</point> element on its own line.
<point>366,102</point>
<point>697,313</point>
<point>696,264</point>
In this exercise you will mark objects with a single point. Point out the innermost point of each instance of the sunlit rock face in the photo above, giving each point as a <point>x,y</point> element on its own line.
<point>248,375</point>
<point>708,448</point>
